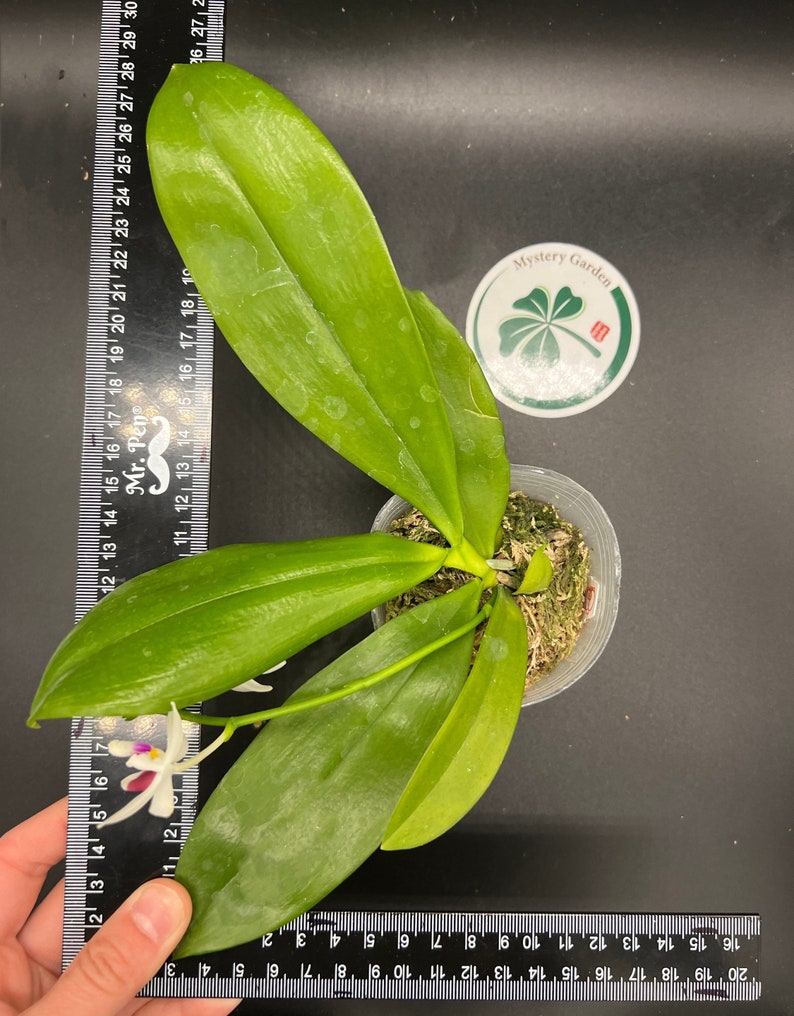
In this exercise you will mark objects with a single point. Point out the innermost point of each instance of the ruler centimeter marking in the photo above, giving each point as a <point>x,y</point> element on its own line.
<point>144,486</point>
<point>144,501</point>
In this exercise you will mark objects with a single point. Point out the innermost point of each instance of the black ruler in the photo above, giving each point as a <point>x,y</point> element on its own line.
<point>145,501</point>
<point>486,956</point>
<point>144,487</point>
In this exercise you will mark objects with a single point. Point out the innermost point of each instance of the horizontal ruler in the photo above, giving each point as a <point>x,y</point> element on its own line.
<point>486,956</point>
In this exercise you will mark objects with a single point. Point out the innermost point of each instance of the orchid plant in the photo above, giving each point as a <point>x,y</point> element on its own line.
<point>396,740</point>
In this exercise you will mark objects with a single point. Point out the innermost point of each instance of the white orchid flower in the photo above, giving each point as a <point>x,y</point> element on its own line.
<point>153,783</point>
<point>154,780</point>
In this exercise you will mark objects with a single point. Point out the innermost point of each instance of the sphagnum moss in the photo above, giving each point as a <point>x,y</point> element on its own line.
<point>555,616</point>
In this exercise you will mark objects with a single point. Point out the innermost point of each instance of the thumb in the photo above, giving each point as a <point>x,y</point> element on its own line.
<point>126,953</point>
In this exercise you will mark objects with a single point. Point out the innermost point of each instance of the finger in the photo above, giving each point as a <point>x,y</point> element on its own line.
<point>181,1007</point>
<point>27,852</point>
<point>42,936</point>
<point>123,955</point>
<point>189,1007</point>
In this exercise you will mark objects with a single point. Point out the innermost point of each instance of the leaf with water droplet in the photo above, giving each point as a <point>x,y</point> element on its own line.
<point>214,620</point>
<point>465,755</point>
<point>311,797</point>
<point>283,246</point>
<point>483,471</point>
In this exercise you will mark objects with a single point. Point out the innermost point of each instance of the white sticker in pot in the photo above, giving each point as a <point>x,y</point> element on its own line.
<point>555,328</point>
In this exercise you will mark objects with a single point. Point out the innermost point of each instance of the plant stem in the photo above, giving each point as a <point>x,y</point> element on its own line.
<point>181,767</point>
<point>466,558</point>
<point>231,723</point>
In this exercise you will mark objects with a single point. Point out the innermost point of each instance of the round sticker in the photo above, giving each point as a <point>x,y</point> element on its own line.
<point>555,328</point>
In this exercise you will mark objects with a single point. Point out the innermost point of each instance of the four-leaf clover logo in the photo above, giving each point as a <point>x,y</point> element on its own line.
<point>533,334</point>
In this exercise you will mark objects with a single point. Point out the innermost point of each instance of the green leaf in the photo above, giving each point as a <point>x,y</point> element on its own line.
<point>466,753</point>
<point>311,797</point>
<point>566,305</point>
<point>538,574</point>
<point>202,625</point>
<point>482,466</point>
<point>515,330</point>
<point>536,304</point>
<point>291,263</point>
<point>542,349</point>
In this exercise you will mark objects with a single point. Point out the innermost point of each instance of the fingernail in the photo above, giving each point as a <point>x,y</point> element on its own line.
<point>157,910</point>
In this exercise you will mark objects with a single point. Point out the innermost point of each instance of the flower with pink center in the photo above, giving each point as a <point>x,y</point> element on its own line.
<point>153,782</point>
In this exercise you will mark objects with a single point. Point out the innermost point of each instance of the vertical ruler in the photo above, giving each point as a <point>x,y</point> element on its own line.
<point>144,488</point>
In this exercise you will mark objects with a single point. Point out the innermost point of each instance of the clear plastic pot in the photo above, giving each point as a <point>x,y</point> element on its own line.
<point>576,505</point>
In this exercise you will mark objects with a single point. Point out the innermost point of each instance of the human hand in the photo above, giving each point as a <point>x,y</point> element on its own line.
<point>123,955</point>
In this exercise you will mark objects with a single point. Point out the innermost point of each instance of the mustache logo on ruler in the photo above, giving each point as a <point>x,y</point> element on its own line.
<point>155,462</point>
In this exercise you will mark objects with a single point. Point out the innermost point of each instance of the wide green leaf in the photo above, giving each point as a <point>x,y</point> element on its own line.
<point>310,799</point>
<point>482,465</point>
<point>202,625</point>
<point>287,255</point>
<point>466,754</point>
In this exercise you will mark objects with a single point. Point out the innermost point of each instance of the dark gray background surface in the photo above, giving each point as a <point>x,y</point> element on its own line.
<point>659,137</point>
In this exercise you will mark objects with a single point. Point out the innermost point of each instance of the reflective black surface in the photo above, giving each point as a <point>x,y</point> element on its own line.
<point>657,135</point>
